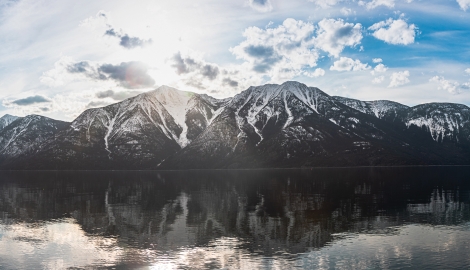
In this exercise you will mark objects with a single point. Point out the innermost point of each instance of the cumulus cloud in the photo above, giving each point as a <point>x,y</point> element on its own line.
<point>377,60</point>
<point>325,3</point>
<point>261,5</point>
<point>464,4</point>
<point>399,78</point>
<point>317,73</point>
<point>348,64</point>
<point>285,51</point>
<point>380,68</point>
<point>334,35</point>
<point>125,40</point>
<point>189,65</point>
<point>467,70</point>
<point>376,3</point>
<point>30,100</point>
<point>280,52</point>
<point>128,74</point>
<point>58,76</point>
<point>452,87</point>
<point>230,82</point>
<point>394,31</point>
<point>346,11</point>
<point>92,22</point>
<point>196,73</point>
<point>378,80</point>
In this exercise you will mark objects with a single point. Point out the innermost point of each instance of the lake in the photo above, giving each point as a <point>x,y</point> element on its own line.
<point>329,218</point>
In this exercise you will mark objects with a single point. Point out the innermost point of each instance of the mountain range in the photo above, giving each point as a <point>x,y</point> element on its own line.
<point>289,125</point>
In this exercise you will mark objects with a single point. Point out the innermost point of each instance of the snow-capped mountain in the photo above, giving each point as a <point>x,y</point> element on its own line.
<point>287,125</point>
<point>292,125</point>
<point>383,109</point>
<point>6,120</point>
<point>26,135</point>
<point>442,121</point>
<point>138,132</point>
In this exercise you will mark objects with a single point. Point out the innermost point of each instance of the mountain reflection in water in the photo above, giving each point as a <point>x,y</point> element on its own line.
<point>349,218</point>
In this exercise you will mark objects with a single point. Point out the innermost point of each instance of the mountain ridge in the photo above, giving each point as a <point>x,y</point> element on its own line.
<point>286,125</point>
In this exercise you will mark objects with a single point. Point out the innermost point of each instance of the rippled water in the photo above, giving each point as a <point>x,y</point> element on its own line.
<point>361,218</point>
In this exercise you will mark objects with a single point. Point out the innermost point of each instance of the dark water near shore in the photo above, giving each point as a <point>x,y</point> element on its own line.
<point>351,218</point>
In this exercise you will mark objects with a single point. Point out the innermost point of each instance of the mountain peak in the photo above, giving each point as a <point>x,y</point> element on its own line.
<point>169,95</point>
<point>271,125</point>
<point>293,83</point>
<point>166,88</point>
<point>6,120</point>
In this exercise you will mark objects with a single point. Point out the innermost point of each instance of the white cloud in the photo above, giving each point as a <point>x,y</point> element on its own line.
<point>394,31</point>
<point>399,78</point>
<point>319,72</point>
<point>378,80</point>
<point>377,60</point>
<point>450,86</point>
<point>261,5</point>
<point>101,18</point>
<point>197,75</point>
<point>334,35</point>
<point>375,3</point>
<point>464,4</point>
<point>348,64</point>
<point>379,68</point>
<point>58,76</point>
<point>346,11</point>
<point>280,52</point>
<point>325,3</point>
<point>467,70</point>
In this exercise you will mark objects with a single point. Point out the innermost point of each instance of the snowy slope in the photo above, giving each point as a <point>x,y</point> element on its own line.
<point>287,125</point>
<point>26,135</point>
<point>283,124</point>
<point>379,108</point>
<point>443,121</point>
<point>138,132</point>
<point>6,120</point>
<point>164,110</point>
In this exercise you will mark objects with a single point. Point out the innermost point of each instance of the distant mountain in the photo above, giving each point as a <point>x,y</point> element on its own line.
<point>443,121</point>
<point>287,125</point>
<point>24,136</point>
<point>383,109</point>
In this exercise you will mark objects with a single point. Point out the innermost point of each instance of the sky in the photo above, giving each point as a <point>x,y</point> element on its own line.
<point>61,57</point>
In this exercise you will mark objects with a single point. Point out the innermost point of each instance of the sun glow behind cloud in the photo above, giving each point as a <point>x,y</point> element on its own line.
<point>233,45</point>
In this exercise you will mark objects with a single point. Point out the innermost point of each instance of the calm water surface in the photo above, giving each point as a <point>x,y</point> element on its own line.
<point>362,218</point>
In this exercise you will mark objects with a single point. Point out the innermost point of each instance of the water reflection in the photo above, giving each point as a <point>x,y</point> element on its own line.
<point>269,219</point>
